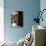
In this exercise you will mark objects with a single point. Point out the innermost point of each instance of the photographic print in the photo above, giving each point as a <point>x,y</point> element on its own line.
<point>17,18</point>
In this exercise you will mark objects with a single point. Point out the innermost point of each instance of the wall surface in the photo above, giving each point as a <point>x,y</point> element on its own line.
<point>43,6</point>
<point>29,7</point>
<point>1,20</point>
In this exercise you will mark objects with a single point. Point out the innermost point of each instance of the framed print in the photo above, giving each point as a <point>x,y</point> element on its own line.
<point>17,18</point>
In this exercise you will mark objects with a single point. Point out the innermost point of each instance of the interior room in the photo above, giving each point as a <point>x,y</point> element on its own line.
<point>23,23</point>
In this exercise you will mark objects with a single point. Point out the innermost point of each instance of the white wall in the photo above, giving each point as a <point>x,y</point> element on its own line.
<point>1,20</point>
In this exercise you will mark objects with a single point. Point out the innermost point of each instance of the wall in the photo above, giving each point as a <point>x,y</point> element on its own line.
<point>1,20</point>
<point>29,7</point>
<point>43,6</point>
